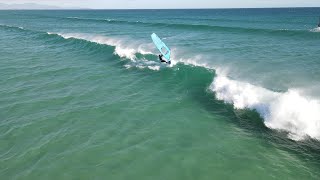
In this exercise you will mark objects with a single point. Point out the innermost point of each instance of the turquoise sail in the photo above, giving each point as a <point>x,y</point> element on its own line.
<point>162,47</point>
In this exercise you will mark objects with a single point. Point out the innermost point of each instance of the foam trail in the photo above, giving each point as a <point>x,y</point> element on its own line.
<point>289,111</point>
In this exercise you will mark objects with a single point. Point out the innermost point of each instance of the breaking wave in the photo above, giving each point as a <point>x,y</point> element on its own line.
<point>290,111</point>
<point>285,111</point>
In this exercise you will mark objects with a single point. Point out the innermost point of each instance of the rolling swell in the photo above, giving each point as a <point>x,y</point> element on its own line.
<point>289,111</point>
<point>90,43</point>
<point>300,120</point>
<point>54,38</point>
<point>9,27</point>
<point>205,27</point>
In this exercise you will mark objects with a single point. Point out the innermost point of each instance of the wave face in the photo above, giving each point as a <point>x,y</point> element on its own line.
<point>122,48</point>
<point>289,111</point>
<point>85,90</point>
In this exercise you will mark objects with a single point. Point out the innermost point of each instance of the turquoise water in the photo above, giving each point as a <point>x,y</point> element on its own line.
<point>83,95</point>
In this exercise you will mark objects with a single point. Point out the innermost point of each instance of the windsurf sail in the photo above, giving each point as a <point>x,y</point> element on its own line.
<point>162,47</point>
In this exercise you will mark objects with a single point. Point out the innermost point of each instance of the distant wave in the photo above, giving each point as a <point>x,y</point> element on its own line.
<point>176,18</point>
<point>122,48</point>
<point>92,19</point>
<point>199,27</point>
<point>97,20</point>
<point>9,26</point>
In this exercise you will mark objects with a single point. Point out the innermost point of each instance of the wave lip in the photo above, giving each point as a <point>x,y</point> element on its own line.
<point>288,111</point>
<point>122,48</point>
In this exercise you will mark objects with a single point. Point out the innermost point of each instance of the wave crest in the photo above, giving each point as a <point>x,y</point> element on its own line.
<point>288,111</point>
<point>122,47</point>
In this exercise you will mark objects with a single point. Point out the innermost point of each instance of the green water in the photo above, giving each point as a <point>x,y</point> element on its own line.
<point>74,106</point>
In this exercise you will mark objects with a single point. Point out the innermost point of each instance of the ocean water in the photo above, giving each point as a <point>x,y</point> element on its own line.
<point>83,95</point>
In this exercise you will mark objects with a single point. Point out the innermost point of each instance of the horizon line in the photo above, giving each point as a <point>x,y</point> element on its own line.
<point>61,8</point>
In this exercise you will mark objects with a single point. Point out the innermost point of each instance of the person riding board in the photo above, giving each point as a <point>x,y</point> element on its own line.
<point>162,60</point>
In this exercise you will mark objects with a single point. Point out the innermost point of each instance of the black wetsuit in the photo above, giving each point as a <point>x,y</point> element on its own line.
<point>160,58</point>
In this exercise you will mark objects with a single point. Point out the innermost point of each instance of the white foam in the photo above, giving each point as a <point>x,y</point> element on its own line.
<point>194,61</point>
<point>143,64</point>
<point>127,66</point>
<point>297,114</point>
<point>155,68</point>
<point>73,17</point>
<point>125,52</point>
<point>123,48</point>
<point>145,49</point>
<point>317,29</point>
<point>289,111</point>
<point>179,56</point>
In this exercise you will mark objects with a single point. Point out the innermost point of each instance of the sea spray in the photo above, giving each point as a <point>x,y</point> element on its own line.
<point>288,111</point>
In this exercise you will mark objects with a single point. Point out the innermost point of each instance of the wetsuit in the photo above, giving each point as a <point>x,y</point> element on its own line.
<point>160,58</point>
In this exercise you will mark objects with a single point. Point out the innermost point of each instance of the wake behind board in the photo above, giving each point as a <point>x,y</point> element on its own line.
<point>162,47</point>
